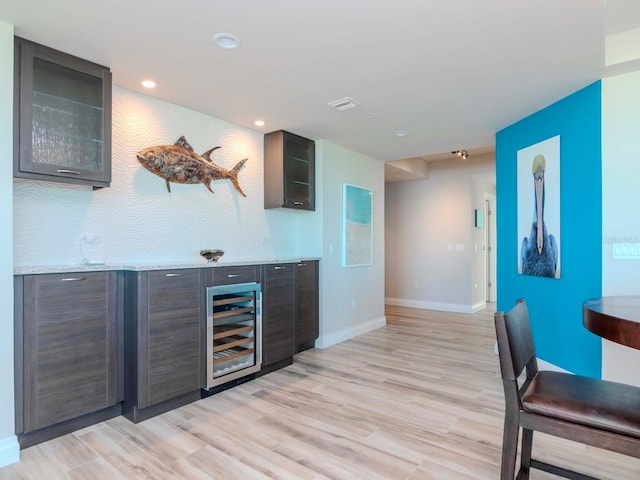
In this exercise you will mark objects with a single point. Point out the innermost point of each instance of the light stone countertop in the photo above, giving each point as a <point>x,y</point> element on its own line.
<point>144,266</point>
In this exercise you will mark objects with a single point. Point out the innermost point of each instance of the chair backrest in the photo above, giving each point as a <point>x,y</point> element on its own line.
<point>515,342</point>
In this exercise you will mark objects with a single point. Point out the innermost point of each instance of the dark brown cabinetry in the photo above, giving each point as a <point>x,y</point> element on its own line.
<point>164,340</point>
<point>306,282</point>
<point>289,171</point>
<point>278,312</point>
<point>92,345</point>
<point>62,126</point>
<point>68,357</point>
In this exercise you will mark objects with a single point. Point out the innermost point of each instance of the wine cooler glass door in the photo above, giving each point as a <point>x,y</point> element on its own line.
<point>233,332</point>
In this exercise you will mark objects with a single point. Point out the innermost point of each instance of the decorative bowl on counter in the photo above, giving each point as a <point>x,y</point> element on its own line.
<point>212,255</point>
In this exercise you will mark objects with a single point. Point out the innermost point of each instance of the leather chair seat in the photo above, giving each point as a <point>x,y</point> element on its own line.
<point>610,406</point>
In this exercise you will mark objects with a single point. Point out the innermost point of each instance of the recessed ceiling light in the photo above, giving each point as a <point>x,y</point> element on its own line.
<point>259,123</point>
<point>401,133</point>
<point>226,40</point>
<point>148,84</point>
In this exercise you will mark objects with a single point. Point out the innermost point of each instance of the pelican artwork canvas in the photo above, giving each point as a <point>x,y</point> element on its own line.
<point>539,209</point>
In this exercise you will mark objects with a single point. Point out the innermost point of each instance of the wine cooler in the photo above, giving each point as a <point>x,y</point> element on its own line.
<point>233,332</point>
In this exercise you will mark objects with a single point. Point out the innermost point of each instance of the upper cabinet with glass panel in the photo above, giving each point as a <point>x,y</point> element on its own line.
<point>62,119</point>
<point>289,171</point>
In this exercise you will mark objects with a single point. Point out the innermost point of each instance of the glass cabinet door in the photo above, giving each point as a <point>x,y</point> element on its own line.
<point>297,172</point>
<point>289,166</point>
<point>64,116</point>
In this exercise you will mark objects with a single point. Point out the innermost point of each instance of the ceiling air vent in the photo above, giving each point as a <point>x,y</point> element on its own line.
<point>343,104</point>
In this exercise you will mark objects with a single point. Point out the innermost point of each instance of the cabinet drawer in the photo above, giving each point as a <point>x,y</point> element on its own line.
<point>238,274</point>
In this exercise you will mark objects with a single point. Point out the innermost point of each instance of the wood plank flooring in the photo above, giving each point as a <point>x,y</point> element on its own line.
<point>419,399</point>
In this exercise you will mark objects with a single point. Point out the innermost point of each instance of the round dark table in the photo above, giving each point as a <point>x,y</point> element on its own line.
<point>615,318</point>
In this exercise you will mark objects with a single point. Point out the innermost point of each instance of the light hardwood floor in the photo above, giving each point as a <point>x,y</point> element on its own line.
<point>418,399</point>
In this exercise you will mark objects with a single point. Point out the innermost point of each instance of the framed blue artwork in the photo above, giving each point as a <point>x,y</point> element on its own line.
<point>357,226</point>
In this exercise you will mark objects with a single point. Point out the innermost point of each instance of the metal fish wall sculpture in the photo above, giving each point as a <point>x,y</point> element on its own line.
<point>178,163</point>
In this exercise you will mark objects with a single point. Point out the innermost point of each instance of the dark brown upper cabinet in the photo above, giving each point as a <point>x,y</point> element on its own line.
<point>289,171</point>
<point>62,123</point>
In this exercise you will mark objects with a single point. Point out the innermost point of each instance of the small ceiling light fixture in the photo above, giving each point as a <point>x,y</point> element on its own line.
<point>401,133</point>
<point>148,84</point>
<point>227,41</point>
<point>259,123</point>
<point>461,153</point>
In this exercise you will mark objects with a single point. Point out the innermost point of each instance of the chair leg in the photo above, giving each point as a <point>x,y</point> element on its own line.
<point>525,453</point>
<point>509,447</point>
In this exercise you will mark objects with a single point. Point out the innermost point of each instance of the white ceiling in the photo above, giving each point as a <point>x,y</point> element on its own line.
<point>451,73</point>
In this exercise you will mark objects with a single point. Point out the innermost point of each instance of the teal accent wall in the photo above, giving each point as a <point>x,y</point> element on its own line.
<point>555,305</point>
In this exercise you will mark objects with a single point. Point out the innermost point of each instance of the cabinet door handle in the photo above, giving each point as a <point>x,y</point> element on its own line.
<point>62,170</point>
<point>174,275</point>
<point>298,203</point>
<point>302,264</point>
<point>233,275</point>
<point>279,267</point>
<point>74,279</point>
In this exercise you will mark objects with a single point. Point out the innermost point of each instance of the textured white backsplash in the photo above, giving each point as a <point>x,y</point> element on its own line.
<point>137,220</point>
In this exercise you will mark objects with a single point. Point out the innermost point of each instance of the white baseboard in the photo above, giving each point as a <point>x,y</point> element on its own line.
<point>9,450</point>
<point>543,365</point>
<point>325,341</point>
<point>442,307</point>
<point>476,307</point>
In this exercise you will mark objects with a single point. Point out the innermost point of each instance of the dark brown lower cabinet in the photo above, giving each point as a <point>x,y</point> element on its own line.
<point>164,340</point>
<point>92,345</point>
<point>278,313</point>
<point>67,351</point>
<point>306,328</point>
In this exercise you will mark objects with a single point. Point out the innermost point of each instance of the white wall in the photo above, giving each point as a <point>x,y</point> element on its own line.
<point>8,442</point>
<point>431,257</point>
<point>620,217</point>
<point>137,219</point>
<point>352,298</point>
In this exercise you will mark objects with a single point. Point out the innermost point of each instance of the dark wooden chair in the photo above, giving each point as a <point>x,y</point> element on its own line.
<point>593,412</point>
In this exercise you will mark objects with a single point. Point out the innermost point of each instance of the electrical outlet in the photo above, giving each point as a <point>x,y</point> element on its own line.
<point>91,237</point>
<point>626,251</point>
